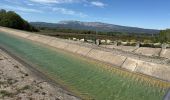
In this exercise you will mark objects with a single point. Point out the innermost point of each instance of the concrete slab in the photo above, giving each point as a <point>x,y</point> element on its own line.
<point>165,53</point>
<point>58,44</point>
<point>107,57</point>
<point>33,37</point>
<point>125,48</point>
<point>155,70</point>
<point>14,32</point>
<point>95,54</point>
<point>24,35</point>
<point>116,60</point>
<point>72,47</point>
<point>107,46</point>
<point>130,64</point>
<point>148,51</point>
<point>83,50</point>
<point>44,39</point>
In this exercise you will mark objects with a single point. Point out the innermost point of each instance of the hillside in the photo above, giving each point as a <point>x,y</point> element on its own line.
<point>94,26</point>
<point>13,20</point>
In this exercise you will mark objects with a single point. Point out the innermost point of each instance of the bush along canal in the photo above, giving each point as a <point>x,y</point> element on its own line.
<point>88,79</point>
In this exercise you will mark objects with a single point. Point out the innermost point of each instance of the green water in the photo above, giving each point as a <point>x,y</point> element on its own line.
<point>79,75</point>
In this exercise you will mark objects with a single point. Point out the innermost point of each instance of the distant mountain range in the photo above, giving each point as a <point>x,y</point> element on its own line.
<point>94,26</point>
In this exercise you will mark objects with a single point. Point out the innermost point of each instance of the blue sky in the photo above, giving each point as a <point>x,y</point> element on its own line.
<point>138,13</point>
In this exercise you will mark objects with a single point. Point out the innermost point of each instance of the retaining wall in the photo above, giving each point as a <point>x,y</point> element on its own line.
<point>126,62</point>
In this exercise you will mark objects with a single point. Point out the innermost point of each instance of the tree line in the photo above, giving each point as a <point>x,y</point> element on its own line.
<point>13,20</point>
<point>89,33</point>
<point>164,36</point>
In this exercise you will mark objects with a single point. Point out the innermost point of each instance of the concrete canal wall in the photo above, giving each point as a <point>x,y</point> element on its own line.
<point>158,68</point>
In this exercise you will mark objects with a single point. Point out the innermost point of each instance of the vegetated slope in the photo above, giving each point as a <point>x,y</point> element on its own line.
<point>94,26</point>
<point>164,36</point>
<point>12,20</point>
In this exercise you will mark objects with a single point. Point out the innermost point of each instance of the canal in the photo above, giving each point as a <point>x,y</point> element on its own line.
<point>86,78</point>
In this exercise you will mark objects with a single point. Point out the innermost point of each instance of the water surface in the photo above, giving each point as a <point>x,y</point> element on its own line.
<point>80,75</point>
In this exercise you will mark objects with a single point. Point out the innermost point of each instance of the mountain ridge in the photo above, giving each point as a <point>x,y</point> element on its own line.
<point>94,26</point>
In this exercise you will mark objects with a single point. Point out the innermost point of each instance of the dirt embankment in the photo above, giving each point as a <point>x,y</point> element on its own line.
<point>17,82</point>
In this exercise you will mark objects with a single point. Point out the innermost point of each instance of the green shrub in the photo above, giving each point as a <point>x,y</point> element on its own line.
<point>4,93</point>
<point>12,20</point>
<point>147,41</point>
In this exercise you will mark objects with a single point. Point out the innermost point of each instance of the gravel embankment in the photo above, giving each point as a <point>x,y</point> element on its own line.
<point>17,82</point>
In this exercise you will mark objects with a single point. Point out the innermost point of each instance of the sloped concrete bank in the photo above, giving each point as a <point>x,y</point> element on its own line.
<point>155,67</point>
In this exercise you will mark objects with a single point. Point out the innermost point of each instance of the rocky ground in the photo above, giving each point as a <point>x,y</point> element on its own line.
<point>19,83</point>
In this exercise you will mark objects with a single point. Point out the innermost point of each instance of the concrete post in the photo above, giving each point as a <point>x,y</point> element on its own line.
<point>97,42</point>
<point>115,43</point>
<point>138,44</point>
<point>164,46</point>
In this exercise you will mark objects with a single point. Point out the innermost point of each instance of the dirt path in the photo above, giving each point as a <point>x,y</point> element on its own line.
<point>18,82</point>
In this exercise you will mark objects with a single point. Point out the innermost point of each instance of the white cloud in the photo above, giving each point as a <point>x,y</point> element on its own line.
<point>98,4</point>
<point>13,1</point>
<point>30,4</point>
<point>54,1</point>
<point>19,8</point>
<point>68,12</point>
